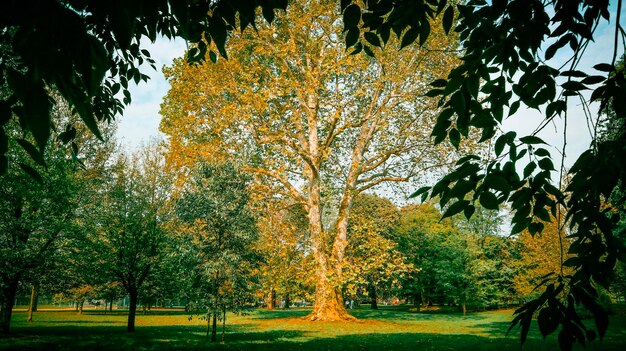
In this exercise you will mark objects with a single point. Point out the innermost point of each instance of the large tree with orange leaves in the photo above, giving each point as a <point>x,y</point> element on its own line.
<point>314,123</point>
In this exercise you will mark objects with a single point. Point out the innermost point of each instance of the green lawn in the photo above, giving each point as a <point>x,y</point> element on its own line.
<point>393,329</point>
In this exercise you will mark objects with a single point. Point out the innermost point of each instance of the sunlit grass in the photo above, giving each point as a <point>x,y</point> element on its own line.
<point>388,328</point>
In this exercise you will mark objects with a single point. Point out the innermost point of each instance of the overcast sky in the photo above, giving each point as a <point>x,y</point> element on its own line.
<point>141,119</point>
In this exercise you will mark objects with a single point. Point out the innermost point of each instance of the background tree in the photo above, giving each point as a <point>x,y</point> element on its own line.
<point>221,233</point>
<point>333,126</point>
<point>283,242</point>
<point>128,221</point>
<point>375,265</point>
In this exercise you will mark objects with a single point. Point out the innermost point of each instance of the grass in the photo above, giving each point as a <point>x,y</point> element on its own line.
<point>388,328</point>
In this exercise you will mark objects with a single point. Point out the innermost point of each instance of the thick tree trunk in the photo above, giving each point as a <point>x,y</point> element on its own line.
<point>111,306</point>
<point>132,310</point>
<point>272,300</point>
<point>8,300</point>
<point>328,304</point>
<point>287,300</point>
<point>373,297</point>
<point>32,306</point>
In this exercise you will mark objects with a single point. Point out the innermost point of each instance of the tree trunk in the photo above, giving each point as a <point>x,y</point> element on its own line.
<point>32,307</point>
<point>132,310</point>
<point>287,300</point>
<point>214,329</point>
<point>417,301</point>
<point>328,304</point>
<point>208,325</point>
<point>7,305</point>
<point>373,297</point>
<point>111,306</point>
<point>272,300</point>
<point>80,306</point>
<point>223,322</point>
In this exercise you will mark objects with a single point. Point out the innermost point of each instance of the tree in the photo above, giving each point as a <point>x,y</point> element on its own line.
<point>334,125</point>
<point>34,217</point>
<point>128,221</point>
<point>217,220</point>
<point>283,242</point>
<point>374,264</point>
<point>92,51</point>
<point>504,67</point>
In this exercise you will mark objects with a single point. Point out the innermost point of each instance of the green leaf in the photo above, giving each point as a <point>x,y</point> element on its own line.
<point>439,83</point>
<point>217,30</point>
<point>419,191</point>
<point>448,17</point>
<point>488,200</point>
<point>424,32</point>
<point>514,107</point>
<point>372,39</point>
<point>352,37</point>
<point>212,56</point>
<point>455,138</point>
<point>529,169</point>
<point>573,86</point>
<point>409,37</point>
<point>604,67</point>
<point>497,182</point>
<point>531,139</point>
<point>351,16</point>
<point>548,321</point>
<point>546,164</point>
<point>455,208</point>
<point>541,152</point>
<point>469,211</point>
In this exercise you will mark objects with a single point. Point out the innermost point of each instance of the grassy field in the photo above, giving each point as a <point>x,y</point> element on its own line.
<point>388,328</point>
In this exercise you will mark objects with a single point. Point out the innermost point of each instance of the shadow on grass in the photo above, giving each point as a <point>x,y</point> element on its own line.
<point>281,313</point>
<point>194,338</point>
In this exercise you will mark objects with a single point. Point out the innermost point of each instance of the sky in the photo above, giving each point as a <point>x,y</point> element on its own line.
<point>141,118</point>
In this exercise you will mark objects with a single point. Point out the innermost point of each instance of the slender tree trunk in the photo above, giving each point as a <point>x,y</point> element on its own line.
<point>8,301</point>
<point>32,305</point>
<point>80,306</point>
<point>111,305</point>
<point>208,324</point>
<point>373,296</point>
<point>223,322</point>
<point>214,329</point>
<point>132,309</point>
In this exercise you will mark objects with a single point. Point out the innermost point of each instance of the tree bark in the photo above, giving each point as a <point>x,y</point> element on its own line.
<point>32,306</point>
<point>80,306</point>
<point>214,328</point>
<point>272,300</point>
<point>111,306</point>
<point>223,322</point>
<point>287,300</point>
<point>328,304</point>
<point>132,310</point>
<point>373,297</point>
<point>7,305</point>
